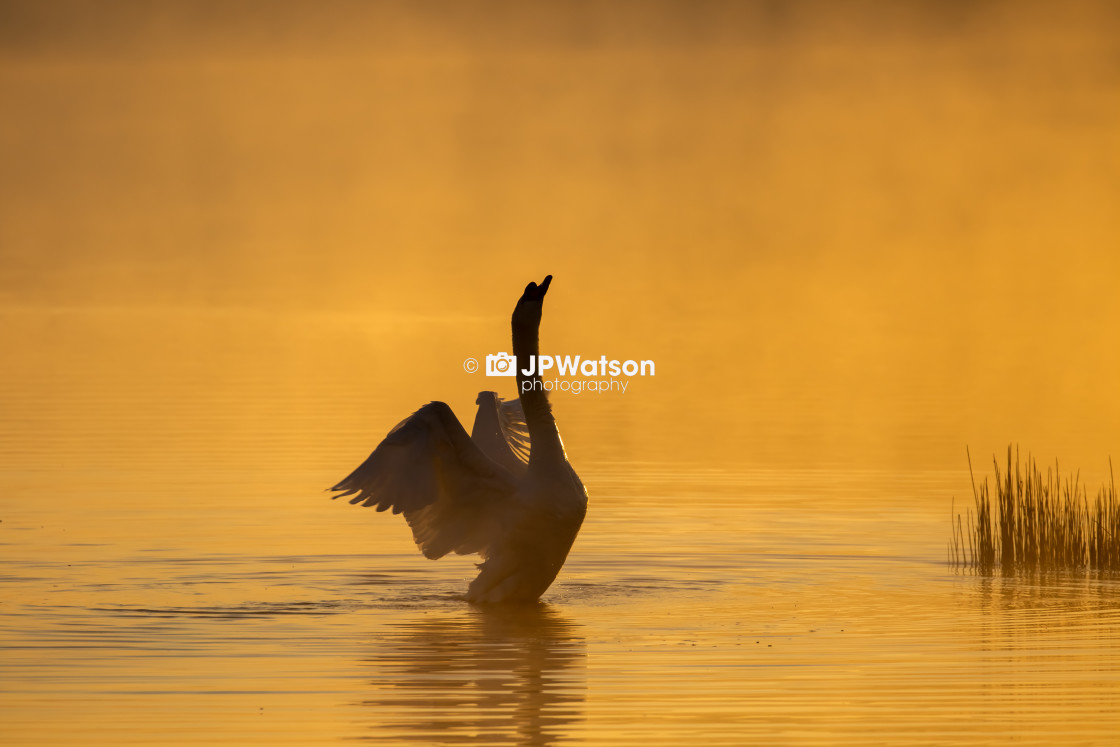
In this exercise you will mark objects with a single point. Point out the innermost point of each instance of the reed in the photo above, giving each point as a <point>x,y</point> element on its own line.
<point>1036,521</point>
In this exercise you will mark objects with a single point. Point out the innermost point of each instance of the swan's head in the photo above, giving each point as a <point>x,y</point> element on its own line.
<point>527,313</point>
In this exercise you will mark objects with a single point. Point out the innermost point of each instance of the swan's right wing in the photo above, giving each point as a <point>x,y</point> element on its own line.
<point>453,496</point>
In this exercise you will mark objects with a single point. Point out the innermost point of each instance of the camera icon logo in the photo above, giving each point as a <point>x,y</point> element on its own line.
<point>501,364</point>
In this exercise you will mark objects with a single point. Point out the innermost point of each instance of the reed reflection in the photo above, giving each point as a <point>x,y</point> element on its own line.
<point>502,675</point>
<point>1048,601</point>
<point>1052,632</point>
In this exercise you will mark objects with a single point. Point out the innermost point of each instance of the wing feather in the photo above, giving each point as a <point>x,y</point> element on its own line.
<point>453,496</point>
<point>501,433</point>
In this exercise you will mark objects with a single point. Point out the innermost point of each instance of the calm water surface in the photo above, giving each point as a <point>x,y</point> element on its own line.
<point>172,570</point>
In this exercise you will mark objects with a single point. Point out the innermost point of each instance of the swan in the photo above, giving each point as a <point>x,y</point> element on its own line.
<point>506,492</point>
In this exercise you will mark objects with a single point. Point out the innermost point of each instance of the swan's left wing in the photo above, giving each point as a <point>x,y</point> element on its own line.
<point>453,496</point>
<point>500,432</point>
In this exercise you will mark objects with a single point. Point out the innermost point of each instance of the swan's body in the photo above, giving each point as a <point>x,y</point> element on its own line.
<point>506,492</point>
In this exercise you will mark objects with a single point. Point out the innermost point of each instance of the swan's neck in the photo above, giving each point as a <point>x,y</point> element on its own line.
<point>545,445</point>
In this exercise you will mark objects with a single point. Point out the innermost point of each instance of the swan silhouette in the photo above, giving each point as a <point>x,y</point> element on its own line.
<point>506,492</point>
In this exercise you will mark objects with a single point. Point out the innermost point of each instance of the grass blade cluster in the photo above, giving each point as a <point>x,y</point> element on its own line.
<point>1031,520</point>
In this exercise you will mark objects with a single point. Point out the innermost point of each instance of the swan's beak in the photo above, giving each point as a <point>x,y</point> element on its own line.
<point>534,292</point>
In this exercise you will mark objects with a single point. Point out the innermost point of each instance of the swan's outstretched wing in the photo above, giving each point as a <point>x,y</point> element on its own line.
<point>500,432</point>
<point>453,496</point>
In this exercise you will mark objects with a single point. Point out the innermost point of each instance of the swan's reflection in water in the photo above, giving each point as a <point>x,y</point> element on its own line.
<point>502,675</point>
